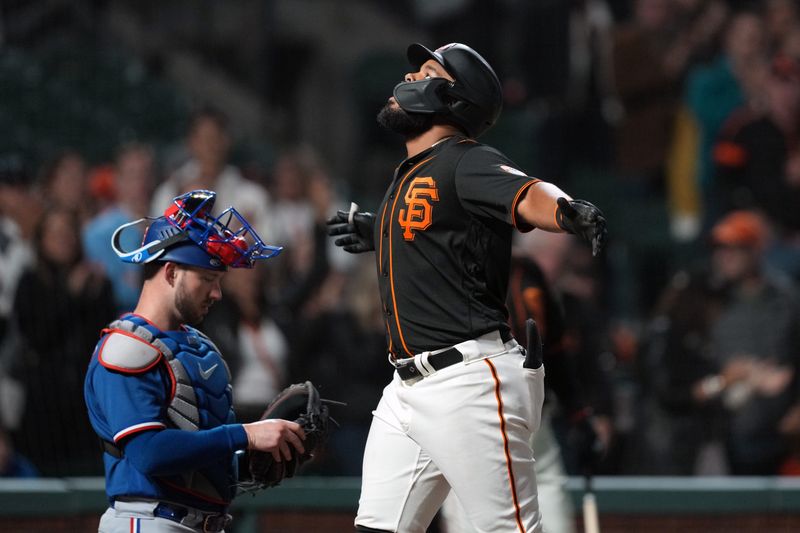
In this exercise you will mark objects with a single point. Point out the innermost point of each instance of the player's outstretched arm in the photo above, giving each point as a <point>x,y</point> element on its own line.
<point>547,207</point>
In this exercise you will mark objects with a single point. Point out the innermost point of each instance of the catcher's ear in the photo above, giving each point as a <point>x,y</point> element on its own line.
<point>170,273</point>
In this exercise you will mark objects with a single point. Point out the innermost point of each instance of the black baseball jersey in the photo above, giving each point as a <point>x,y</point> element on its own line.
<point>443,245</point>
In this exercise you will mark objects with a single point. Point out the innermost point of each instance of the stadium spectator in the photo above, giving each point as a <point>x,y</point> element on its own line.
<point>714,91</point>
<point>13,463</point>
<point>292,213</point>
<point>758,161</point>
<point>303,265</point>
<point>582,341</point>
<point>209,142</point>
<point>754,341</point>
<point>60,305</point>
<point>346,357</point>
<point>556,68</point>
<point>65,184</point>
<point>255,348</point>
<point>781,19</point>
<point>19,209</point>
<point>648,86</point>
<point>681,435</point>
<point>311,264</point>
<point>724,358</point>
<point>133,181</point>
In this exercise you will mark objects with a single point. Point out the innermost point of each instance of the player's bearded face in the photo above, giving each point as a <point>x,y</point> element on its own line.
<point>191,301</point>
<point>396,119</point>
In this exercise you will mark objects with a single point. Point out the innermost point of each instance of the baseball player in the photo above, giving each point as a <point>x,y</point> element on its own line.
<point>464,400</point>
<point>158,391</point>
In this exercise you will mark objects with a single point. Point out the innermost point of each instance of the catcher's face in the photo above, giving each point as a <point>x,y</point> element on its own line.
<point>196,290</point>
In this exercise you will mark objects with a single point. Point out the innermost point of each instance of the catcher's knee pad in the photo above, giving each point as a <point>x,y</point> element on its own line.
<point>362,529</point>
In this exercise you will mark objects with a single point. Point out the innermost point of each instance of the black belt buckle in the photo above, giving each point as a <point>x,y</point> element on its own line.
<point>437,361</point>
<point>214,523</point>
<point>408,371</point>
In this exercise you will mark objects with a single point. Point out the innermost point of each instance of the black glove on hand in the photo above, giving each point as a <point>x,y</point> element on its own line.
<point>583,219</point>
<point>358,236</point>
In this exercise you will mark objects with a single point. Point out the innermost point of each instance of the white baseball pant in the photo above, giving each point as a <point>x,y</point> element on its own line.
<point>558,511</point>
<point>467,427</point>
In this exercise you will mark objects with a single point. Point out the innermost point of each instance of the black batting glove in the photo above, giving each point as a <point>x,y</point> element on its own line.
<point>583,219</point>
<point>358,236</point>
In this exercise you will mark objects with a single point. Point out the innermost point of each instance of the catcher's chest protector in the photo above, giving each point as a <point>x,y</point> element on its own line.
<point>201,394</point>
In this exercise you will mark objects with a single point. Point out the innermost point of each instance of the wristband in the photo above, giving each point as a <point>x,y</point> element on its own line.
<point>712,386</point>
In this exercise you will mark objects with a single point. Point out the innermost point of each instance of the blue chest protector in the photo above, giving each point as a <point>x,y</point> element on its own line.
<point>200,397</point>
<point>202,393</point>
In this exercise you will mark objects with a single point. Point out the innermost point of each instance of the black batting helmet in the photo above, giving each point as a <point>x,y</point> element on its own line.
<point>473,101</point>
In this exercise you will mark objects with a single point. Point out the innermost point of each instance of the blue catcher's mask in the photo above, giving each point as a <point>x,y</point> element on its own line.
<point>188,234</point>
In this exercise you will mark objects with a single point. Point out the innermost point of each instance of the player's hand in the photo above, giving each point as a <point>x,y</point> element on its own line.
<point>274,436</point>
<point>357,236</point>
<point>587,444</point>
<point>584,219</point>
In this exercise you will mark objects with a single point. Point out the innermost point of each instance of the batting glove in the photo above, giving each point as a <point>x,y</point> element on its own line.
<point>357,236</point>
<point>583,219</point>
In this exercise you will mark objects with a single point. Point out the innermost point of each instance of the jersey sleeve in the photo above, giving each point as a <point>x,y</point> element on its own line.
<point>491,185</point>
<point>131,402</point>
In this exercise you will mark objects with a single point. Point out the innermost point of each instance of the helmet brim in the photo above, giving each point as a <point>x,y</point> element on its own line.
<point>418,54</point>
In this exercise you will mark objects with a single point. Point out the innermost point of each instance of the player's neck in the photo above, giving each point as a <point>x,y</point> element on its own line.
<point>437,133</point>
<point>152,307</point>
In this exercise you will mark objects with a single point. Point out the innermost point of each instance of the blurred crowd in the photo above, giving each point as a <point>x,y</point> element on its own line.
<point>679,118</point>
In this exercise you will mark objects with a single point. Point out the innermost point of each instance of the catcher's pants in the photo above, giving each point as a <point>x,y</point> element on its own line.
<point>467,427</point>
<point>558,512</point>
<point>139,517</point>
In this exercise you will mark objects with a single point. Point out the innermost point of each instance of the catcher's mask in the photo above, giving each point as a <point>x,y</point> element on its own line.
<point>189,234</point>
<point>472,102</point>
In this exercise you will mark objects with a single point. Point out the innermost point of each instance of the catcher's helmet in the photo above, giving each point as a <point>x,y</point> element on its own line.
<point>188,234</point>
<point>472,102</point>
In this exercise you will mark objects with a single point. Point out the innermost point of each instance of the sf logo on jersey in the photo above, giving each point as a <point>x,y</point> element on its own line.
<point>421,192</point>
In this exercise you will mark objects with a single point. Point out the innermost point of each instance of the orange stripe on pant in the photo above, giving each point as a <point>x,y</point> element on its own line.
<point>511,480</point>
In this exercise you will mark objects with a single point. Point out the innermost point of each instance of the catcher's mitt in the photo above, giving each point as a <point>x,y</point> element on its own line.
<point>300,403</point>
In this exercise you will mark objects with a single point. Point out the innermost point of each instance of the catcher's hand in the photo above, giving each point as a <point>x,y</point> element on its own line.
<point>275,437</point>
<point>357,233</point>
<point>584,219</point>
<point>299,403</point>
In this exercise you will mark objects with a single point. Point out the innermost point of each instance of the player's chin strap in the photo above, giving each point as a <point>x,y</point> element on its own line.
<point>150,251</point>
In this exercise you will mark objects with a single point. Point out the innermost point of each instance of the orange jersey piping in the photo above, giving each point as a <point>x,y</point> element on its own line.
<point>517,198</point>
<point>380,271</point>
<point>391,257</point>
